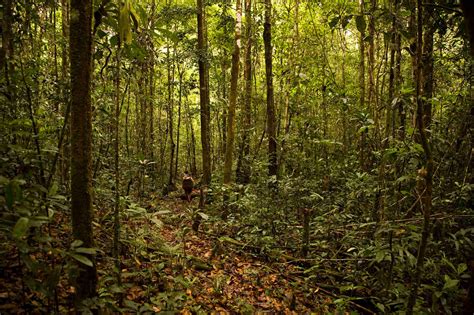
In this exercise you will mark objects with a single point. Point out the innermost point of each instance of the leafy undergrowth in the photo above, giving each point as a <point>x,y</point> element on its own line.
<point>181,270</point>
<point>165,267</point>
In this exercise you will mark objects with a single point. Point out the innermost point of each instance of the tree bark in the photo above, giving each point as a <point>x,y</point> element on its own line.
<point>373,97</point>
<point>170,70</point>
<point>233,97</point>
<point>81,141</point>
<point>427,62</point>
<point>271,120</point>
<point>204,92</point>
<point>362,144</point>
<point>243,168</point>
<point>178,127</point>
<point>116,249</point>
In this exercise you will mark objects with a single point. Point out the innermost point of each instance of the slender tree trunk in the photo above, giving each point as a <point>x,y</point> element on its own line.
<point>7,64</point>
<point>170,116</point>
<point>65,157</point>
<point>271,120</point>
<point>193,141</point>
<point>362,146</point>
<point>233,98</point>
<point>81,141</point>
<point>425,174</point>
<point>391,79</point>
<point>204,92</point>
<point>243,169</point>
<point>127,115</point>
<point>427,62</point>
<point>178,127</point>
<point>224,109</point>
<point>6,51</point>
<point>344,110</point>
<point>116,249</point>
<point>372,97</point>
<point>152,104</point>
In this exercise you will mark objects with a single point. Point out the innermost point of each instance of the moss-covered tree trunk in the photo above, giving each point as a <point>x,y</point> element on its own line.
<point>81,141</point>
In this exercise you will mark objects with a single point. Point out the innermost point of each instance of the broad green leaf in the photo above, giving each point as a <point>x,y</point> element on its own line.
<point>158,222</point>
<point>85,250</point>
<point>380,306</point>
<point>380,256</point>
<point>53,190</point>
<point>461,268</point>
<point>82,259</point>
<point>76,243</point>
<point>20,228</point>
<point>449,283</point>
<point>203,215</point>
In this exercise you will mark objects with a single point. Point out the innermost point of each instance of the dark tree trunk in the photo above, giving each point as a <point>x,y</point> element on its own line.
<point>243,166</point>
<point>81,141</point>
<point>204,92</point>
<point>427,62</point>
<point>271,120</point>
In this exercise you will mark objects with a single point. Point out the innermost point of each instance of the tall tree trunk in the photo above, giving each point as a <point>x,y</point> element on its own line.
<point>233,98</point>
<point>425,174</point>
<point>243,168</point>
<point>152,104</point>
<point>65,150</point>
<point>204,92</point>
<point>193,140</point>
<point>271,120</point>
<point>467,7</point>
<point>7,64</point>
<point>427,62</point>
<point>362,145</point>
<point>373,97</point>
<point>81,141</point>
<point>224,109</point>
<point>468,10</point>
<point>178,127</point>
<point>391,79</point>
<point>170,70</point>
<point>116,248</point>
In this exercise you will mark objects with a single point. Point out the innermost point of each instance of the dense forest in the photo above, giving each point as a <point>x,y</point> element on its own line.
<point>285,156</point>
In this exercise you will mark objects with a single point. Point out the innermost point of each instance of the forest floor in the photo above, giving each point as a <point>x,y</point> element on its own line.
<point>216,276</point>
<point>166,267</point>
